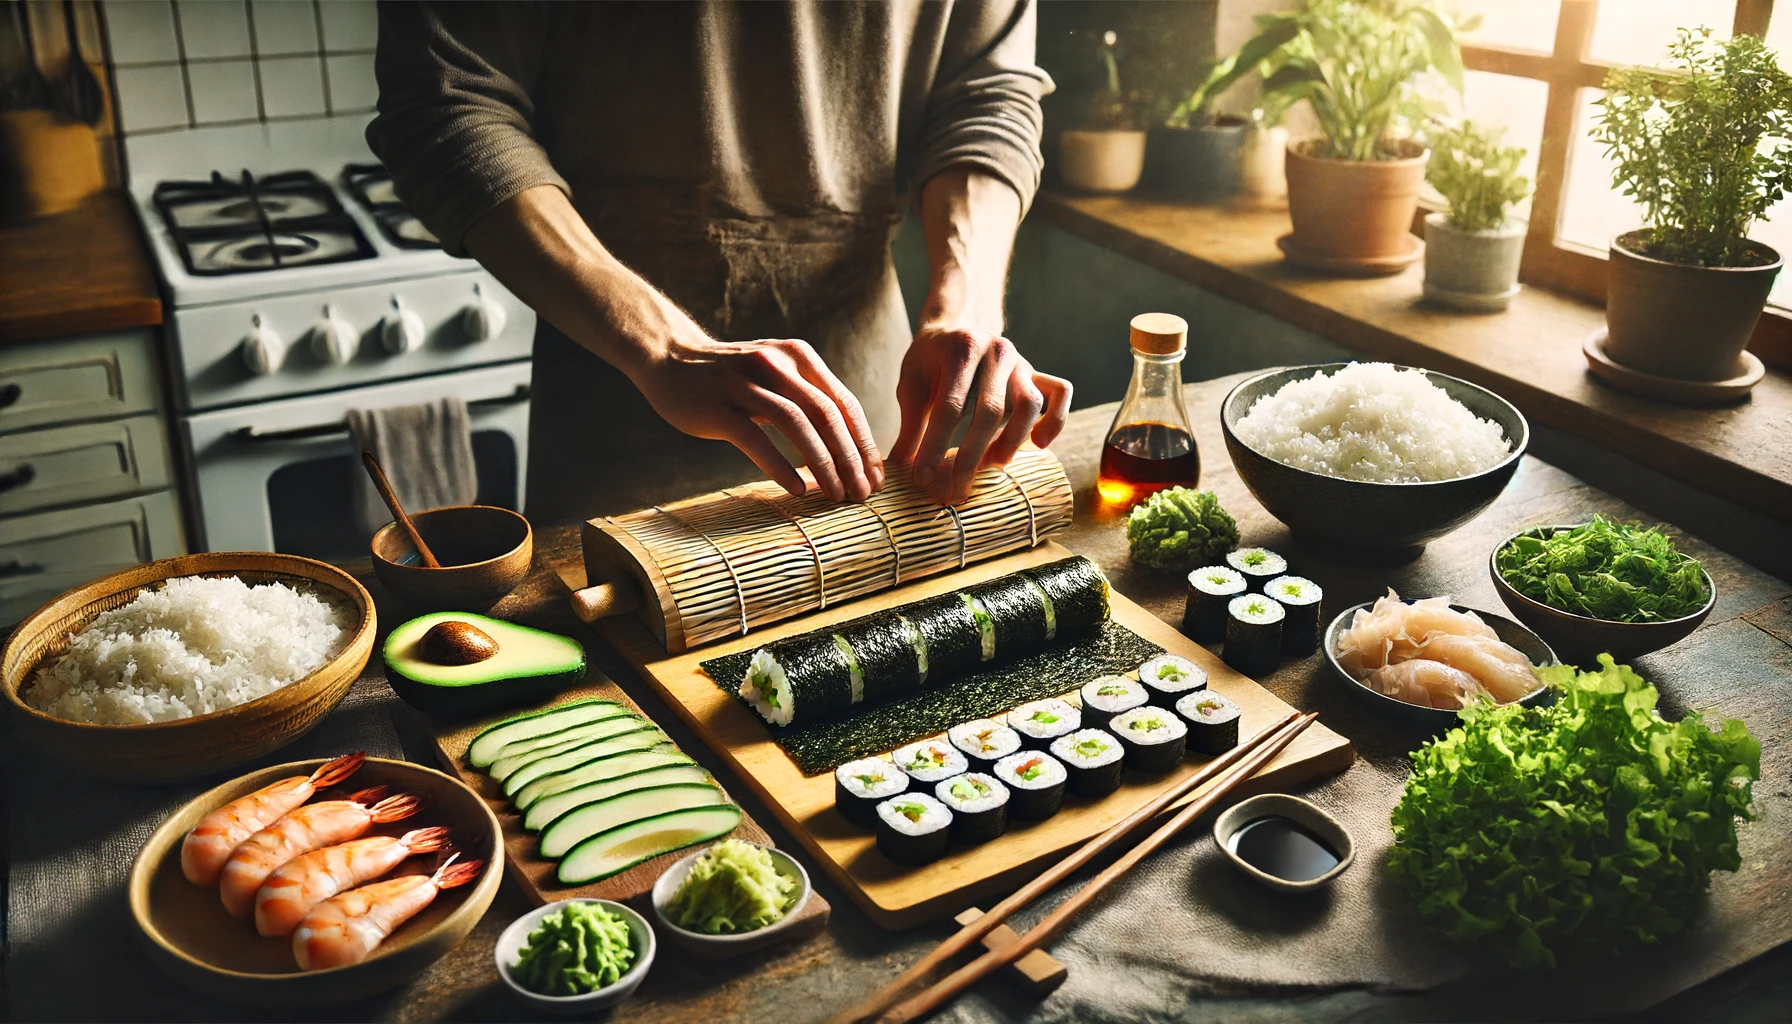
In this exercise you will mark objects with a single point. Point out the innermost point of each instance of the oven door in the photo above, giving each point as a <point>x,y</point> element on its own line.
<point>279,475</point>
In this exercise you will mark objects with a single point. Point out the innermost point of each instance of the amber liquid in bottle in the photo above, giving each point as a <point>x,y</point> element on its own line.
<point>1150,446</point>
<point>1141,459</point>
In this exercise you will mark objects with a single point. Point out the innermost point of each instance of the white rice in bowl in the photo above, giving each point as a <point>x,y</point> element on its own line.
<point>194,646</point>
<point>1375,423</point>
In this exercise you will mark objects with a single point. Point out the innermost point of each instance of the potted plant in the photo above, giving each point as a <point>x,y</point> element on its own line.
<point>1107,153</point>
<point>1472,250</point>
<point>1704,148</point>
<point>1195,153</point>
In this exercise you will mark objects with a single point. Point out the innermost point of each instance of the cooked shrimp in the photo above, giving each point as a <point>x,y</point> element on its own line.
<point>311,827</point>
<point>209,845</point>
<point>1496,665</point>
<point>304,882</point>
<point>1391,631</point>
<point>1429,684</point>
<point>346,928</point>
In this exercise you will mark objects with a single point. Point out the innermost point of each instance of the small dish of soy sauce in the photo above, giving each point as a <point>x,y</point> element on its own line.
<point>1284,842</point>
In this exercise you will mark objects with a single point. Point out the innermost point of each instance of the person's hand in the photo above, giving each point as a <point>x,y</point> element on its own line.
<point>951,368</point>
<point>724,392</point>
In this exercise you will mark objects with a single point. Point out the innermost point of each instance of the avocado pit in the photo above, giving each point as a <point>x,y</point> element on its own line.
<point>453,642</point>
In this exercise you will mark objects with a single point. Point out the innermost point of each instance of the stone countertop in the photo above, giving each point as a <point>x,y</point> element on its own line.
<point>82,271</point>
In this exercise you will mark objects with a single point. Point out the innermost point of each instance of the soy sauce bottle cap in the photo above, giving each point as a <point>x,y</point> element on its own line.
<point>1159,334</point>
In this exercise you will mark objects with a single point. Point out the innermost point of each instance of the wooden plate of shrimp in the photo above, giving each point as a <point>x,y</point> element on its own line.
<point>404,846</point>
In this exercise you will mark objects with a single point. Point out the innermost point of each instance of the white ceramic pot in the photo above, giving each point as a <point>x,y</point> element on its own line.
<point>1263,179</point>
<point>1472,270</point>
<point>1106,161</point>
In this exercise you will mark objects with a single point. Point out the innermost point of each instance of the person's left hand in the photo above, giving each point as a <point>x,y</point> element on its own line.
<point>951,367</point>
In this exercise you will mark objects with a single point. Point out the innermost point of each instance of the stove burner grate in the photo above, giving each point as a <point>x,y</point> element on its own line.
<point>372,185</point>
<point>258,224</point>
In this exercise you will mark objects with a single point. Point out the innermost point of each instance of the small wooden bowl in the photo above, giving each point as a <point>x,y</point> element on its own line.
<point>484,551</point>
<point>189,747</point>
<point>188,934</point>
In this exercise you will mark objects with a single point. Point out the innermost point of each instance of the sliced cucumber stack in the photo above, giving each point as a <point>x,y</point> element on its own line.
<point>617,850</point>
<point>485,746</point>
<point>598,771</point>
<point>641,738</point>
<point>581,823</point>
<point>569,739</point>
<point>543,813</point>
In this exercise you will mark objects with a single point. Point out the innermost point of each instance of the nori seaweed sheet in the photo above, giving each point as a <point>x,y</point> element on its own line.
<point>887,659</point>
<point>1063,666</point>
<point>820,678</point>
<point>1079,594</point>
<point>1019,614</point>
<point>954,644</point>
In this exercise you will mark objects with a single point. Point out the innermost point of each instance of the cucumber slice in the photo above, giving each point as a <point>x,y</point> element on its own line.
<point>598,771</point>
<point>543,812</point>
<point>619,849</point>
<point>485,746</point>
<point>561,742</point>
<point>581,823</point>
<point>638,739</point>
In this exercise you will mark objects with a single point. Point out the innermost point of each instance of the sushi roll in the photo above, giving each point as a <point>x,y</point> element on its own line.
<point>1254,634</point>
<point>986,627</point>
<point>1212,722</point>
<point>859,786</point>
<point>1077,595</point>
<point>884,654</point>
<point>1300,599</point>
<point>949,634</point>
<point>1168,676</point>
<point>930,761</point>
<point>912,828</point>
<point>1018,619</point>
<point>979,806</point>
<point>1036,783</point>
<point>805,676</point>
<point>1154,739</point>
<point>853,675</point>
<point>1257,565</point>
<point>1040,722</point>
<point>1107,696</point>
<point>1092,761</point>
<point>1209,589</point>
<point>984,742</point>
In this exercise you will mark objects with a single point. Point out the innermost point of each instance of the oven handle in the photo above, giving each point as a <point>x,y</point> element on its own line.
<point>259,436</point>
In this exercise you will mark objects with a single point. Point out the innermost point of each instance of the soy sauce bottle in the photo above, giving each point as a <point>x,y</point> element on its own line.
<point>1150,446</point>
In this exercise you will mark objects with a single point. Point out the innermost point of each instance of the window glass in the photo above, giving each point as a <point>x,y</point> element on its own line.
<point>1515,24</point>
<point>1639,31</point>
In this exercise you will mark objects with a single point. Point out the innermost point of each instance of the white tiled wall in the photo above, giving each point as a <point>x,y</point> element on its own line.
<point>189,63</point>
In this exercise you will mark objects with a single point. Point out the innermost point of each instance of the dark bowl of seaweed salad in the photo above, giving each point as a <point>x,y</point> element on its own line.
<point>1602,587</point>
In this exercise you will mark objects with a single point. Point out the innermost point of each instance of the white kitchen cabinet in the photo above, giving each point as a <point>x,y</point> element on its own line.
<point>82,462</point>
<point>95,376</point>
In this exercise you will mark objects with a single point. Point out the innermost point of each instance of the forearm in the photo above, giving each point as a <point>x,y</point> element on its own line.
<point>969,217</point>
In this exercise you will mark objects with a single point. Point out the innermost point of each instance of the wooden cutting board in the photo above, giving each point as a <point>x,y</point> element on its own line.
<point>902,897</point>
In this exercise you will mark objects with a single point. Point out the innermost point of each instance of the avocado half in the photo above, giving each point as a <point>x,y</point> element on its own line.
<point>529,666</point>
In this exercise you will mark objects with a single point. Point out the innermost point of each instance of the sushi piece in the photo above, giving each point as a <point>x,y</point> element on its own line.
<point>1168,676</point>
<point>1107,696</point>
<point>1040,722</point>
<point>859,786</point>
<point>1077,594</point>
<point>1209,590</point>
<point>1016,610</point>
<point>1154,738</point>
<point>1300,599</point>
<point>807,676</point>
<point>1257,565</point>
<point>1254,634</point>
<point>984,742</point>
<point>1092,761</point>
<point>883,651</point>
<point>1036,782</point>
<point>930,761</point>
<point>950,635</point>
<point>912,828</point>
<point>1212,722</point>
<point>979,806</point>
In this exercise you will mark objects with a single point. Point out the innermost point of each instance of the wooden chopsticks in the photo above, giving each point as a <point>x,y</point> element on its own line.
<point>1265,745</point>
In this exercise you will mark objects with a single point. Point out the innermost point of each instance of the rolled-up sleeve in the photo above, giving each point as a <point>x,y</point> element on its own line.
<point>455,122</point>
<point>983,110</point>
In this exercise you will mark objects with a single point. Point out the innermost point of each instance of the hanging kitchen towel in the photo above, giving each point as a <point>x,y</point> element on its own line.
<point>426,451</point>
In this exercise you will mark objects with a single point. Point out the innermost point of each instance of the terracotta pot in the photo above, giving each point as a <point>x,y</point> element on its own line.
<point>1472,270</point>
<point>1680,321</point>
<point>1200,164</point>
<point>1263,181</point>
<point>1354,209</point>
<point>1105,161</point>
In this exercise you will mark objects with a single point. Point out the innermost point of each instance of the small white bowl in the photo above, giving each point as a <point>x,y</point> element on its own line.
<point>1301,811</point>
<point>511,943</point>
<point>718,947</point>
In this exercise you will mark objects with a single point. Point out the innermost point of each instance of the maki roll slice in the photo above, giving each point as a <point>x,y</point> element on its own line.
<point>859,786</point>
<point>1154,739</point>
<point>1092,761</point>
<point>1300,599</point>
<point>1018,619</point>
<point>1169,676</point>
<point>1209,591</point>
<point>882,649</point>
<point>912,828</point>
<point>979,806</point>
<point>1076,594</point>
<point>806,676</point>
<point>953,644</point>
<point>1257,565</point>
<point>930,761</point>
<point>1254,634</point>
<point>984,742</point>
<point>1107,696</point>
<point>1036,782</point>
<point>1212,722</point>
<point>1040,722</point>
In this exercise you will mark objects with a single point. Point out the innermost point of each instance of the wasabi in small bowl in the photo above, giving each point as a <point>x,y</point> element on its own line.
<point>738,888</point>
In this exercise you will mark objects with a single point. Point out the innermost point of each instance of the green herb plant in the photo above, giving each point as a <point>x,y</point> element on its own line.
<point>1195,109</point>
<point>1111,109</point>
<point>1604,569</point>
<point>1476,175</point>
<point>1180,529</point>
<point>1592,821</point>
<point>1705,146</point>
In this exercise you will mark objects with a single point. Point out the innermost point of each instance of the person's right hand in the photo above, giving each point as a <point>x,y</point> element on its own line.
<point>725,391</point>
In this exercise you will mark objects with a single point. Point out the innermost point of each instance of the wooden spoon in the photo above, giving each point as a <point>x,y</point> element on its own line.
<point>384,486</point>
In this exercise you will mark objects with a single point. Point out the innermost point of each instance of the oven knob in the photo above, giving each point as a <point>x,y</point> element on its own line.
<point>262,347</point>
<point>333,339</point>
<point>483,319</point>
<point>401,330</point>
